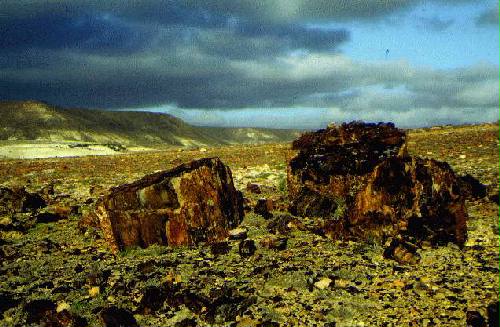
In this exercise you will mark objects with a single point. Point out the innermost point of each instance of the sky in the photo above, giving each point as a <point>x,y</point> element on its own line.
<point>249,63</point>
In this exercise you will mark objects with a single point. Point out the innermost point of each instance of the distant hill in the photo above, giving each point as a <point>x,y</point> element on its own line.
<point>33,120</point>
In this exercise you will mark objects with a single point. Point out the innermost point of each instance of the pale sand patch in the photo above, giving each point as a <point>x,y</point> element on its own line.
<point>51,150</point>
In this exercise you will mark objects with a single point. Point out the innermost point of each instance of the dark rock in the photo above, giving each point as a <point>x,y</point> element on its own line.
<point>47,217</point>
<point>254,188</point>
<point>238,233</point>
<point>187,322</point>
<point>264,208</point>
<point>247,248</point>
<point>493,319</point>
<point>152,299</point>
<point>117,317</point>
<point>474,319</point>
<point>43,313</point>
<point>7,301</point>
<point>18,200</point>
<point>220,248</point>
<point>402,251</point>
<point>192,203</point>
<point>268,324</point>
<point>274,243</point>
<point>494,198</point>
<point>360,180</point>
<point>283,224</point>
<point>471,188</point>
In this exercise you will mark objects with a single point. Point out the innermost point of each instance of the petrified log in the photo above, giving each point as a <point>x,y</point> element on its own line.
<point>332,164</point>
<point>194,202</point>
<point>360,178</point>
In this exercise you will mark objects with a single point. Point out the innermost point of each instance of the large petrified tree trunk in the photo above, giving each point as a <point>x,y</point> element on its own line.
<point>194,202</point>
<point>360,178</point>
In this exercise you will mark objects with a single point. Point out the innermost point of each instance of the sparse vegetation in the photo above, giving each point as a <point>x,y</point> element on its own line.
<point>61,261</point>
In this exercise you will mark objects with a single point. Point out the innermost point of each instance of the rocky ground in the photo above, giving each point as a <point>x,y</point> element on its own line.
<point>285,274</point>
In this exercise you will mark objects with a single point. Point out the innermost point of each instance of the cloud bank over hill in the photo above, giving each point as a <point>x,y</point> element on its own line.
<point>220,56</point>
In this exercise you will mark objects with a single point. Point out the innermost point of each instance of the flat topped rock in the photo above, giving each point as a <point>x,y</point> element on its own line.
<point>194,202</point>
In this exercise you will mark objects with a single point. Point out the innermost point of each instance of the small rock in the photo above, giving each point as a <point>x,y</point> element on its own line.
<point>493,319</point>
<point>264,208</point>
<point>219,248</point>
<point>462,156</point>
<point>117,317</point>
<point>187,322</point>
<point>247,248</point>
<point>402,252</point>
<point>238,233</point>
<point>274,243</point>
<point>254,188</point>
<point>6,302</point>
<point>18,200</point>
<point>474,319</point>
<point>323,283</point>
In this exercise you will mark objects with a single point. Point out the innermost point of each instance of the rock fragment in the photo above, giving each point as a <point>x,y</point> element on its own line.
<point>264,208</point>
<point>247,248</point>
<point>18,200</point>
<point>493,316</point>
<point>192,203</point>
<point>117,317</point>
<point>475,319</point>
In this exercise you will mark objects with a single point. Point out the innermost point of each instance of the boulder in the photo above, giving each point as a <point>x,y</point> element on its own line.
<point>194,202</point>
<point>17,200</point>
<point>361,180</point>
<point>332,164</point>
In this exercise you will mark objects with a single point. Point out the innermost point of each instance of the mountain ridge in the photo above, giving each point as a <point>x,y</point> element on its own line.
<point>33,120</point>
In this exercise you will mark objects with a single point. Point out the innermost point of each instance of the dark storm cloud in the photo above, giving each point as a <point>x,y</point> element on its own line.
<point>210,54</point>
<point>103,34</point>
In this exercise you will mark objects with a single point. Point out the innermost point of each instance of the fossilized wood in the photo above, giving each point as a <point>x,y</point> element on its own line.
<point>191,203</point>
<point>360,178</point>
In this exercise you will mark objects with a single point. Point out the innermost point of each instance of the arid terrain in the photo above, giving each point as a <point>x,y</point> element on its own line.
<point>50,264</point>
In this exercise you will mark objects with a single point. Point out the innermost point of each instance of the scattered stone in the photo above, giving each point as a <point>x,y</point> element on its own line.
<point>474,319</point>
<point>152,299</point>
<point>323,283</point>
<point>117,317</point>
<point>44,313</point>
<point>401,251</point>
<point>17,200</point>
<point>494,198</point>
<point>283,224</point>
<point>47,217</point>
<point>7,301</point>
<point>359,178</point>
<point>247,248</point>
<point>264,208</point>
<point>493,317</point>
<point>471,188</point>
<point>239,233</point>
<point>254,188</point>
<point>220,248</point>
<point>274,243</point>
<point>192,203</point>
<point>187,322</point>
